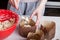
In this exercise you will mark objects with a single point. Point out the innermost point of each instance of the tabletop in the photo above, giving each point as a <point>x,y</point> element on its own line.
<point>15,35</point>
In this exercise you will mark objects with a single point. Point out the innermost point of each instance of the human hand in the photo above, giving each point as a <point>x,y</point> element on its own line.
<point>14,3</point>
<point>38,13</point>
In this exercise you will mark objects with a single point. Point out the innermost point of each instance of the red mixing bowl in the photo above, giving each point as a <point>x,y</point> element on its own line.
<point>5,15</point>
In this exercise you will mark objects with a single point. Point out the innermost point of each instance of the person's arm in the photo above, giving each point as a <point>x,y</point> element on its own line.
<point>39,10</point>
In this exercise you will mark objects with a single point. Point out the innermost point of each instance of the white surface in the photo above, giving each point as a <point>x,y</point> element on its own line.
<point>16,36</point>
<point>52,4</point>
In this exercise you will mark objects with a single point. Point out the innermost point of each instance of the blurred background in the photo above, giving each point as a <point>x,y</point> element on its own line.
<point>52,7</point>
<point>3,4</point>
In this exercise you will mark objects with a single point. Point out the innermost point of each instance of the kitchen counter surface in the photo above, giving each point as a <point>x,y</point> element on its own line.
<point>15,35</point>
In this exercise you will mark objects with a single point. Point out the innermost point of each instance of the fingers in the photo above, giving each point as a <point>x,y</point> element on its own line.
<point>38,17</point>
<point>12,2</point>
<point>38,20</point>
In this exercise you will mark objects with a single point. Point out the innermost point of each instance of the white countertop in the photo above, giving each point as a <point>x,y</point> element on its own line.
<point>15,35</point>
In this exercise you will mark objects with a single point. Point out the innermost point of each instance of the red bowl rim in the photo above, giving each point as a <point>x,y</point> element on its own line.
<point>14,23</point>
